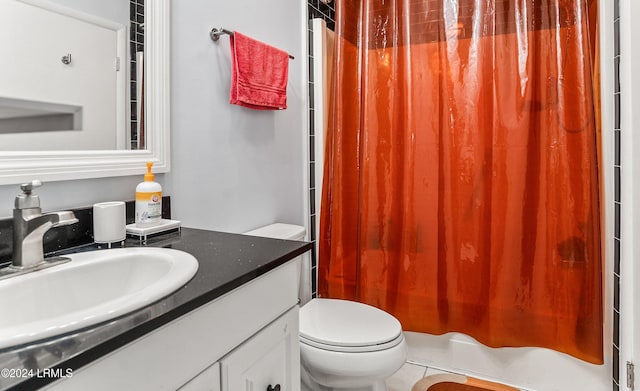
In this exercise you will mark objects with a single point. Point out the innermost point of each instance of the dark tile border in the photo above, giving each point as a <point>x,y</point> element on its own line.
<point>617,185</point>
<point>75,235</point>
<point>316,9</point>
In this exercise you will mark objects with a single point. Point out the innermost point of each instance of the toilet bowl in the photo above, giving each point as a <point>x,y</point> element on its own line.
<point>344,345</point>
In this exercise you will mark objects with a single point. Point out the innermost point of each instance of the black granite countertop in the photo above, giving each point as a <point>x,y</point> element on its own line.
<point>226,261</point>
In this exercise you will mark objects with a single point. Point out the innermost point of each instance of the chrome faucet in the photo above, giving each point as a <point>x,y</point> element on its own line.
<point>29,227</point>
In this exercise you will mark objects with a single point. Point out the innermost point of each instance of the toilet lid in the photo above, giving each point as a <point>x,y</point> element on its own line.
<point>342,323</point>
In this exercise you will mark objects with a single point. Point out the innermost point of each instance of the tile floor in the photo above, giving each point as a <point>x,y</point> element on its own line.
<point>408,375</point>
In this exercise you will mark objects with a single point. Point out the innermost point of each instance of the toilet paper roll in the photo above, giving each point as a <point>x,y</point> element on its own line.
<point>109,222</point>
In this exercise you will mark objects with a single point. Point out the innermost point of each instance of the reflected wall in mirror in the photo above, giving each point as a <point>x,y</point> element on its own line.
<point>47,155</point>
<point>73,76</point>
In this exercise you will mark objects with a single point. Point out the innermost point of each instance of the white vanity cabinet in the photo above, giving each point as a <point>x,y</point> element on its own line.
<point>246,339</point>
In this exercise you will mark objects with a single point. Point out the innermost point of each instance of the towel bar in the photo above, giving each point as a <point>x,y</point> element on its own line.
<point>216,33</point>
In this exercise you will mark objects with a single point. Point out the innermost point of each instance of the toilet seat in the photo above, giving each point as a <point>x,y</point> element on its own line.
<point>348,326</point>
<point>353,349</point>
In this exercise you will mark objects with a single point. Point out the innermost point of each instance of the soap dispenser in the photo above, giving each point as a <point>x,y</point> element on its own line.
<point>148,201</point>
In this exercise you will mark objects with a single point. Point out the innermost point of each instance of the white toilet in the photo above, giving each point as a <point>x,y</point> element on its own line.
<point>344,345</point>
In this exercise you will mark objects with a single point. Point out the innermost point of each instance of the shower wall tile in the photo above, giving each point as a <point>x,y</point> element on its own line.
<point>312,146</point>
<point>616,330</point>
<point>136,44</point>
<point>311,94</point>
<point>616,223</point>
<point>616,135</point>
<point>616,293</point>
<point>312,124</point>
<point>618,107</point>
<point>326,12</point>
<point>616,191</point>
<point>321,10</point>
<point>618,91</point>
<point>616,256</point>
<point>616,74</point>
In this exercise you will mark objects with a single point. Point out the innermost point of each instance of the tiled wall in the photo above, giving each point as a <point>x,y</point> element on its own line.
<point>316,9</point>
<point>322,10</point>
<point>617,205</point>
<point>136,44</point>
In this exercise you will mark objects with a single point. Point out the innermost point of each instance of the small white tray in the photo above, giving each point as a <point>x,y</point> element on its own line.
<point>143,232</point>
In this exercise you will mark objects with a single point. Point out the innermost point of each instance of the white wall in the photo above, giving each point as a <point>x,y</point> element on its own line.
<point>114,10</point>
<point>232,168</point>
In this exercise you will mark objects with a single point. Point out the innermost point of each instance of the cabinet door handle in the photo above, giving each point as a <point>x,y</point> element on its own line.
<point>276,388</point>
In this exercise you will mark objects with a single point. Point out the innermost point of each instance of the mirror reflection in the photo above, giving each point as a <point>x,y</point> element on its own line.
<point>72,75</point>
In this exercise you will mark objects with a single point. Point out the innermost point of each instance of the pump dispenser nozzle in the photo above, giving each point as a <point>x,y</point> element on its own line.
<point>148,177</point>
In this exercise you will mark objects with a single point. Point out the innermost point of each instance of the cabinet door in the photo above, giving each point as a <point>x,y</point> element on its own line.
<point>268,361</point>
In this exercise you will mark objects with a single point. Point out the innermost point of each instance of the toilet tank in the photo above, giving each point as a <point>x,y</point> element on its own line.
<point>303,262</point>
<point>280,231</point>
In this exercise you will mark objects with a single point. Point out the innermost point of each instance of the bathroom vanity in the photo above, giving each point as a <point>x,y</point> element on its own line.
<point>233,327</point>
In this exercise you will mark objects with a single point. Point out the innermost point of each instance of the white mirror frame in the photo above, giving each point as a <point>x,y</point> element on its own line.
<point>23,166</point>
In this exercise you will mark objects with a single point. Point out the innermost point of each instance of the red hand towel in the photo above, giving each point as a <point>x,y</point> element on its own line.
<point>259,74</point>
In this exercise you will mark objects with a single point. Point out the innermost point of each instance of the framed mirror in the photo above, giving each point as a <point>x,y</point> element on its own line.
<point>62,116</point>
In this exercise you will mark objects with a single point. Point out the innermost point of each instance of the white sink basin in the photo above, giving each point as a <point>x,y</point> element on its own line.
<point>93,287</point>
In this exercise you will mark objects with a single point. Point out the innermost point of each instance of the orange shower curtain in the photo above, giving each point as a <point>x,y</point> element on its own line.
<point>461,179</point>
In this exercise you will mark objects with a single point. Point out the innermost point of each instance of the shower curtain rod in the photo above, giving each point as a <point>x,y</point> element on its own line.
<point>216,33</point>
